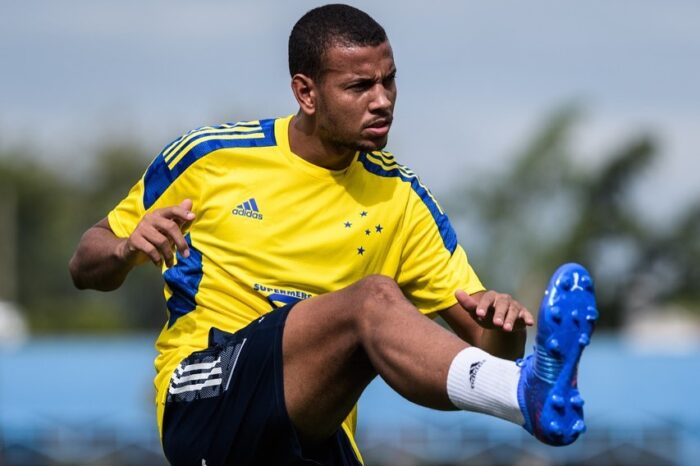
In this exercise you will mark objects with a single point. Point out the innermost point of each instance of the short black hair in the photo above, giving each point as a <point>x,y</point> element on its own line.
<point>325,27</point>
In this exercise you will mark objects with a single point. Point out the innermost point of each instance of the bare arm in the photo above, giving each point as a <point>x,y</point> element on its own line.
<point>98,262</point>
<point>492,321</point>
<point>102,260</point>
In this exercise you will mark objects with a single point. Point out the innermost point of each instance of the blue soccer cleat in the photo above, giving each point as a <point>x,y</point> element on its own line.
<point>547,393</point>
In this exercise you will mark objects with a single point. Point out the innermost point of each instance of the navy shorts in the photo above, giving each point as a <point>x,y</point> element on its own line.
<point>225,405</point>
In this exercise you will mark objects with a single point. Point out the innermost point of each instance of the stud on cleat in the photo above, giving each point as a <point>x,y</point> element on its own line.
<point>555,428</point>
<point>575,316</point>
<point>567,283</point>
<point>586,283</point>
<point>547,391</point>
<point>576,401</point>
<point>557,401</point>
<point>592,314</point>
<point>553,345</point>
<point>555,312</point>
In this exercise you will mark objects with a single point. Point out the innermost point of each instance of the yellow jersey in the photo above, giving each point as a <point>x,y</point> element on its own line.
<point>272,229</point>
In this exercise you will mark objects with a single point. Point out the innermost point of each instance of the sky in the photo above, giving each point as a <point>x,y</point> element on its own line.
<point>476,79</point>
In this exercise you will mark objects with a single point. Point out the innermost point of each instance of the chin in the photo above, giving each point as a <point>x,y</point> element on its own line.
<point>372,145</point>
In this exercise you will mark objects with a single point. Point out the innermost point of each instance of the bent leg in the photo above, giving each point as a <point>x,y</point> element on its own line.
<point>335,344</point>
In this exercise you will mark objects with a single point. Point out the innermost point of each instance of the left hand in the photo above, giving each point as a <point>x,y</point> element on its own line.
<point>492,310</point>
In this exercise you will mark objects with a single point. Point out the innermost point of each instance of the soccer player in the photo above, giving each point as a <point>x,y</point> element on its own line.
<point>301,261</point>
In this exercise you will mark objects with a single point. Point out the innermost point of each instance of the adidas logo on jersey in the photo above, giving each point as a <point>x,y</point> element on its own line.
<point>248,209</point>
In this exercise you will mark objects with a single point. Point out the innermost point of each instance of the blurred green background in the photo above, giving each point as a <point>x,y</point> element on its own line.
<point>546,208</point>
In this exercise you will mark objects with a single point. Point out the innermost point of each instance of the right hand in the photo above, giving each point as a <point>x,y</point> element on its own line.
<point>157,234</point>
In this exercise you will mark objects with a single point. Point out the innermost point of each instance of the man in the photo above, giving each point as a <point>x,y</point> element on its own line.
<point>300,262</point>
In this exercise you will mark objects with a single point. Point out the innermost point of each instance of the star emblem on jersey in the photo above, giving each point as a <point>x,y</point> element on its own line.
<point>360,223</point>
<point>248,209</point>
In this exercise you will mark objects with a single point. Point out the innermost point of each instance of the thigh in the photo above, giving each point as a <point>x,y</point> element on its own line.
<point>335,344</point>
<point>325,366</point>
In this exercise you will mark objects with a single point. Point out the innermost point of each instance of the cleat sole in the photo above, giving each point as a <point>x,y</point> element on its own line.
<point>566,323</point>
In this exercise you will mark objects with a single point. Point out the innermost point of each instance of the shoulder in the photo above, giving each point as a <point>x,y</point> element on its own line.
<point>383,164</point>
<point>181,155</point>
<point>202,141</point>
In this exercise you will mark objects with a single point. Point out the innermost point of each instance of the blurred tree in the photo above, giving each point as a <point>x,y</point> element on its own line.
<point>545,209</point>
<point>50,215</point>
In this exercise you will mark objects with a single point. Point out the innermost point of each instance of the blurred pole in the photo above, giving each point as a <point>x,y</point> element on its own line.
<point>8,243</point>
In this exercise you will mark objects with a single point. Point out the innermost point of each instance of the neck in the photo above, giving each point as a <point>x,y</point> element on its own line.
<point>305,141</point>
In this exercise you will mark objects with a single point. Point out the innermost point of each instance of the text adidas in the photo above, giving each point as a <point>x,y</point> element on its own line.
<point>247,213</point>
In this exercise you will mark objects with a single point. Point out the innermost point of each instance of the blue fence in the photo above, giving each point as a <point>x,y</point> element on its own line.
<point>89,401</point>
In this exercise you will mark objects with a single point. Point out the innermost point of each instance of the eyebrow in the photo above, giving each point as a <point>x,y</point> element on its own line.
<point>356,79</point>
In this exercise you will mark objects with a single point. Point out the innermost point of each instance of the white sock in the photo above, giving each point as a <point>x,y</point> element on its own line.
<point>486,384</point>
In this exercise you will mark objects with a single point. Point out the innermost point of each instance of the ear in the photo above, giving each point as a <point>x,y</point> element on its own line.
<point>304,89</point>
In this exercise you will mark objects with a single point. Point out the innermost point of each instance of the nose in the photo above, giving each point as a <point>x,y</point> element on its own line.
<point>382,99</point>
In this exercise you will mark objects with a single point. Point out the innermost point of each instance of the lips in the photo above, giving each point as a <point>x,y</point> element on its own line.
<point>380,123</point>
<point>379,127</point>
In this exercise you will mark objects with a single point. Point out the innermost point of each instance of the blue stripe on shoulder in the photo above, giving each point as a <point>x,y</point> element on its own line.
<point>447,233</point>
<point>159,176</point>
<point>183,280</point>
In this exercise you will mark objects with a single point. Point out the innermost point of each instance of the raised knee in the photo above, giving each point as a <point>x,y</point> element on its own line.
<point>379,291</point>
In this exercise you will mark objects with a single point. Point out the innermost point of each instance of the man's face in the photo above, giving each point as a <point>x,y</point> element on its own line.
<point>356,96</point>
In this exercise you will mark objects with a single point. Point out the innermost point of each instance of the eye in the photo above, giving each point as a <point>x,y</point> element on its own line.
<point>361,86</point>
<point>389,80</point>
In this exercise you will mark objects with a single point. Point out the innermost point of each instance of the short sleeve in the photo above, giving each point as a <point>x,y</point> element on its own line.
<point>168,181</point>
<point>433,265</point>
